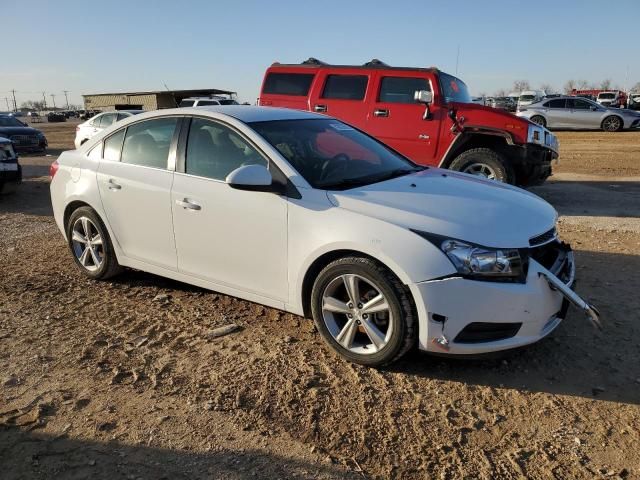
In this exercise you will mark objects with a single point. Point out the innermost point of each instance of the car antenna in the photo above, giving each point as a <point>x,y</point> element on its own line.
<point>172,96</point>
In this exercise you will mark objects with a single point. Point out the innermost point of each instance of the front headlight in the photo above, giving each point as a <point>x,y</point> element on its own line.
<point>482,262</point>
<point>478,262</point>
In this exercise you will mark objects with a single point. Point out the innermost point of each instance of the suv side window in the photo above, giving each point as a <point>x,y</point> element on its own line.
<point>297,84</point>
<point>214,150</point>
<point>401,89</point>
<point>147,143</point>
<point>113,145</point>
<point>345,87</point>
<point>556,103</point>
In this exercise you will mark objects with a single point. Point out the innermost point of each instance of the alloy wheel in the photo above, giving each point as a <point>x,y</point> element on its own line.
<point>357,314</point>
<point>482,170</point>
<point>87,244</point>
<point>611,124</point>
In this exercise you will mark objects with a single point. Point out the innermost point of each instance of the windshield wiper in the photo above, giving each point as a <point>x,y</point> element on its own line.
<point>369,179</point>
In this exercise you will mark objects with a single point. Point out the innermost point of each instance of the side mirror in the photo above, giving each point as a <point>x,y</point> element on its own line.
<point>426,97</point>
<point>255,178</point>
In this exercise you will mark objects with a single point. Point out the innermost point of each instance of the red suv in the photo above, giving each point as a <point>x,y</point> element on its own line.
<point>423,113</point>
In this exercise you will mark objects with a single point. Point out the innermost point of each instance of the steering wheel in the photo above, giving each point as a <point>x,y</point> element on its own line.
<point>334,165</point>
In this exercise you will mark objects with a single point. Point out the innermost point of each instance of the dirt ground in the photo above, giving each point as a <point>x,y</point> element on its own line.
<point>123,379</point>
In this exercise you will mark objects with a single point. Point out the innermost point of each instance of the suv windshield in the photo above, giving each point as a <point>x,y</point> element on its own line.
<point>607,96</point>
<point>332,155</point>
<point>527,98</point>
<point>454,89</point>
<point>10,122</point>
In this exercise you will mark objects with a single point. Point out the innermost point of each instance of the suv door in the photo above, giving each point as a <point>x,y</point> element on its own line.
<point>396,119</point>
<point>342,93</point>
<point>134,180</point>
<point>234,238</point>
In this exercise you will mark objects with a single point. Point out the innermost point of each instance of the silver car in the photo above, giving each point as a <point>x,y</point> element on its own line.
<point>579,114</point>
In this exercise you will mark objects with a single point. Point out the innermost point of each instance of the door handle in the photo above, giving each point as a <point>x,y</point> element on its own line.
<point>381,112</point>
<point>188,204</point>
<point>112,185</point>
<point>320,108</point>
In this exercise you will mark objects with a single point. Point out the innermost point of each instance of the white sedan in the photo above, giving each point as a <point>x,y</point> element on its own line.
<point>102,121</point>
<point>304,213</point>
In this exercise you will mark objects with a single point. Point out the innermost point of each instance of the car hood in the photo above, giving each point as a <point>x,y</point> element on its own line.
<point>4,131</point>
<point>456,205</point>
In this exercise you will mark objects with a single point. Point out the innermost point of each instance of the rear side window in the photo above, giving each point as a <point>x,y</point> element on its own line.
<point>288,83</point>
<point>147,143</point>
<point>186,103</point>
<point>401,89</point>
<point>345,87</point>
<point>112,146</point>
<point>556,103</point>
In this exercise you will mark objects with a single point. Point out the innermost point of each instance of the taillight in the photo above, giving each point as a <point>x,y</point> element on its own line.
<point>77,128</point>
<point>53,169</point>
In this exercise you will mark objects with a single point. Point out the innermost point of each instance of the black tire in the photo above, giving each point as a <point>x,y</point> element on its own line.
<point>539,119</point>
<point>612,123</point>
<point>109,266</point>
<point>484,157</point>
<point>404,333</point>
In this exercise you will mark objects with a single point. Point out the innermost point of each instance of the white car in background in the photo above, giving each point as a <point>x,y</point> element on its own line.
<point>95,125</point>
<point>304,213</point>
<point>207,101</point>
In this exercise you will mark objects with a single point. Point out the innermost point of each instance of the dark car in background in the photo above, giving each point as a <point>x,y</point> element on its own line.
<point>10,170</point>
<point>56,117</point>
<point>24,137</point>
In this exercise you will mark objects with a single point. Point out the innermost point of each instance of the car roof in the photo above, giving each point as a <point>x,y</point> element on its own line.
<point>247,114</point>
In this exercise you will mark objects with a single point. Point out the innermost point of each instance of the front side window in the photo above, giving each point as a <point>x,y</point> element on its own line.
<point>297,84</point>
<point>401,89</point>
<point>578,104</point>
<point>147,143</point>
<point>345,87</point>
<point>214,150</point>
<point>332,155</point>
<point>112,146</point>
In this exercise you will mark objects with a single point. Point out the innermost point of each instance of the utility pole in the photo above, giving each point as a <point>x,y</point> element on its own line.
<point>7,100</point>
<point>53,99</point>
<point>15,105</point>
<point>44,101</point>
<point>66,98</point>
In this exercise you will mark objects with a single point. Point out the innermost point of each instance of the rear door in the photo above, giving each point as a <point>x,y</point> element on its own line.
<point>556,112</point>
<point>343,93</point>
<point>396,119</point>
<point>134,180</point>
<point>287,88</point>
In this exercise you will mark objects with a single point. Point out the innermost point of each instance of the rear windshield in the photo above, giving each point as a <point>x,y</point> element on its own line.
<point>297,84</point>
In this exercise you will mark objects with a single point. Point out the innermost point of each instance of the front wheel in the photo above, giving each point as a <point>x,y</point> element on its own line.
<point>363,311</point>
<point>483,162</point>
<point>612,123</point>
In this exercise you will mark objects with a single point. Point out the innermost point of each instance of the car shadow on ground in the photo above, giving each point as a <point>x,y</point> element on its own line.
<point>31,197</point>
<point>576,359</point>
<point>26,454</point>
<point>592,198</point>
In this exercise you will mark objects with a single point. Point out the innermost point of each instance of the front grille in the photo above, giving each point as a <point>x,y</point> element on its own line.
<point>24,139</point>
<point>478,332</point>
<point>543,237</point>
<point>554,257</point>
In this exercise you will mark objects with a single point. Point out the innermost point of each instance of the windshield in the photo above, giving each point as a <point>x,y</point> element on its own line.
<point>10,122</point>
<point>332,155</point>
<point>607,96</point>
<point>454,89</point>
<point>527,98</point>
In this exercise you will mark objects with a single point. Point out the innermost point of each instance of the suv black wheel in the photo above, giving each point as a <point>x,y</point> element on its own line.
<point>483,162</point>
<point>363,311</point>
<point>90,245</point>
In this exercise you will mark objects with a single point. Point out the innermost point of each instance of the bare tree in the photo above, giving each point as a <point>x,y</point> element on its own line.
<point>605,84</point>
<point>547,88</point>
<point>501,93</point>
<point>583,85</point>
<point>636,87</point>
<point>520,85</point>
<point>569,86</point>
<point>31,105</point>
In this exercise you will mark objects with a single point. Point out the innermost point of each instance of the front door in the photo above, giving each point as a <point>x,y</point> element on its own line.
<point>135,187</point>
<point>396,119</point>
<point>231,237</point>
<point>583,114</point>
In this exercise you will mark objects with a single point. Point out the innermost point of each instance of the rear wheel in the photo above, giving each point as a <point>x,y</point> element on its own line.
<point>539,119</point>
<point>612,123</point>
<point>90,245</point>
<point>483,162</point>
<point>363,311</point>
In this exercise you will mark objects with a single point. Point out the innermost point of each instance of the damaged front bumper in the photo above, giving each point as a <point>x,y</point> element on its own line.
<point>464,316</point>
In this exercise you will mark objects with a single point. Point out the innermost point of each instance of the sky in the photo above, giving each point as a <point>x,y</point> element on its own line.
<point>113,45</point>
